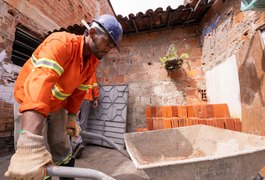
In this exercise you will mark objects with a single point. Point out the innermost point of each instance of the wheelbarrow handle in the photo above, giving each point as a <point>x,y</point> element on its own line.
<point>75,172</point>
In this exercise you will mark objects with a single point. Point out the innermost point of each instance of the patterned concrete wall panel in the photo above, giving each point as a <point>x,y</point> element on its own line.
<point>109,119</point>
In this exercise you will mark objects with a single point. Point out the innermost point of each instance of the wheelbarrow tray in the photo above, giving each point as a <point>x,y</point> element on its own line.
<point>196,152</point>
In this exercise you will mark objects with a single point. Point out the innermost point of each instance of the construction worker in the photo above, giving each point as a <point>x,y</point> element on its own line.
<point>50,88</point>
<point>90,100</point>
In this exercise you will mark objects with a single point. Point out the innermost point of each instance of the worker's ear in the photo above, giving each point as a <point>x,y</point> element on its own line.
<point>92,33</point>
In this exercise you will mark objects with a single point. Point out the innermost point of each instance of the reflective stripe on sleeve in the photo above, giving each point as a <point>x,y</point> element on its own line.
<point>58,94</point>
<point>95,84</point>
<point>47,63</point>
<point>33,60</point>
<point>90,86</point>
<point>84,87</point>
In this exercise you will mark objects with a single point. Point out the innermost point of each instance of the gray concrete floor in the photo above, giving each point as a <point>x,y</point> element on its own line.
<point>106,160</point>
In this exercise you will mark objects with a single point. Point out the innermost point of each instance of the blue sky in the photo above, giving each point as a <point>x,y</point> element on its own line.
<point>125,7</point>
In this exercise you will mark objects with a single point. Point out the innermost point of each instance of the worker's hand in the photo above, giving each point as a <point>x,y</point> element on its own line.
<point>95,103</point>
<point>30,158</point>
<point>72,127</point>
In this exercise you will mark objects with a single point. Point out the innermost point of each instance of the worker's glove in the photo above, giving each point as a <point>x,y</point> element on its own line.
<point>30,158</point>
<point>72,126</point>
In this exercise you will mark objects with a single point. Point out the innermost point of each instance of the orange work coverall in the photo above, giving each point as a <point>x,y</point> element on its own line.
<point>92,91</point>
<point>55,76</point>
<point>53,80</point>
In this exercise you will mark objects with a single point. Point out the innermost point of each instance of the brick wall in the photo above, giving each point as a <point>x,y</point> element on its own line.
<point>227,31</point>
<point>39,17</point>
<point>224,29</point>
<point>138,65</point>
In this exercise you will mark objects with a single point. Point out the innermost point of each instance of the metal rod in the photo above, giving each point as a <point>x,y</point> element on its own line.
<point>108,141</point>
<point>74,172</point>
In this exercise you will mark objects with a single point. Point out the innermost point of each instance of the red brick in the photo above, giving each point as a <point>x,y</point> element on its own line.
<point>196,52</point>
<point>229,123</point>
<point>149,122</point>
<point>174,111</point>
<point>191,43</point>
<point>209,111</point>
<point>163,111</point>
<point>188,122</point>
<point>148,112</point>
<point>199,110</point>
<point>202,121</point>
<point>239,17</point>
<point>169,111</point>
<point>158,111</point>
<point>153,111</point>
<point>194,121</point>
<point>211,122</point>
<point>182,122</point>
<point>238,124</point>
<point>167,122</point>
<point>221,111</point>
<point>220,123</point>
<point>175,122</point>
<point>190,111</point>
<point>182,111</point>
<point>166,111</point>
<point>158,123</point>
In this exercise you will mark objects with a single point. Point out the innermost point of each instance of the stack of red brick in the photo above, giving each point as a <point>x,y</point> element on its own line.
<point>160,117</point>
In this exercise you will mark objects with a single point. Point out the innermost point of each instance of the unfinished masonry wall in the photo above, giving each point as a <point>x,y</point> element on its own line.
<point>138,65</point>
<point>226,31</point>
<point>39,17</point>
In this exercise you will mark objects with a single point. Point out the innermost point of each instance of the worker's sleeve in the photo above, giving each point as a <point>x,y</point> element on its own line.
<point>74,101</point>
<point>48,67</point>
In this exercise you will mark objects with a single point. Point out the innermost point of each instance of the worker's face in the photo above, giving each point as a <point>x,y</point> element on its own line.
<point>101,45</point>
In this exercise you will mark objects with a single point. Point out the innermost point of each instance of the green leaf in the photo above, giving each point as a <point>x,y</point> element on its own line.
<point>184,56</point>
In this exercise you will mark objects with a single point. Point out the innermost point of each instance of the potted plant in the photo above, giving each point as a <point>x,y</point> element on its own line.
<point>172,61</point>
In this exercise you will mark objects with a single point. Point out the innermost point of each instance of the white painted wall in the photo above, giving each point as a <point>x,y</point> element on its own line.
<point>222,86</point>
<point>7,71</point>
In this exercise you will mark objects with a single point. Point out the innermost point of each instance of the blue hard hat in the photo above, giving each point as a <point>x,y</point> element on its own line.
<point>112,26</point>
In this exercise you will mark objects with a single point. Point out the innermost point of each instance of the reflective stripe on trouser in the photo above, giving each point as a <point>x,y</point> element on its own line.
<point>82,120</point>
<point>58,143</point>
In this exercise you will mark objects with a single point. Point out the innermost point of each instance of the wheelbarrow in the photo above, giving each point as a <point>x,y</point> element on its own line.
<point>75,172</point>
<point>196,152</point>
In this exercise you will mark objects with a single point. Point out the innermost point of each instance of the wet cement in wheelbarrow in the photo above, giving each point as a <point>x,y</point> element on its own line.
<point>110,162</point>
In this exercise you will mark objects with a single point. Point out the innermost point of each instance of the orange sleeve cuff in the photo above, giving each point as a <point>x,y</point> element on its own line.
<point>39,107</point>
<point>95,92</point>
<point>72,110</point>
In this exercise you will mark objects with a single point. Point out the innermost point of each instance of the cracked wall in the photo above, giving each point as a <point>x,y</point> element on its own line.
<point>227,32</point>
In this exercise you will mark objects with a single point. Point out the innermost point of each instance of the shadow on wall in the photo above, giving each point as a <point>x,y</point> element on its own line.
<point>250,83</point>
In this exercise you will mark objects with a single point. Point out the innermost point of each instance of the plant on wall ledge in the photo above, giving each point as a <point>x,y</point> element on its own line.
<point>172,61</point>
